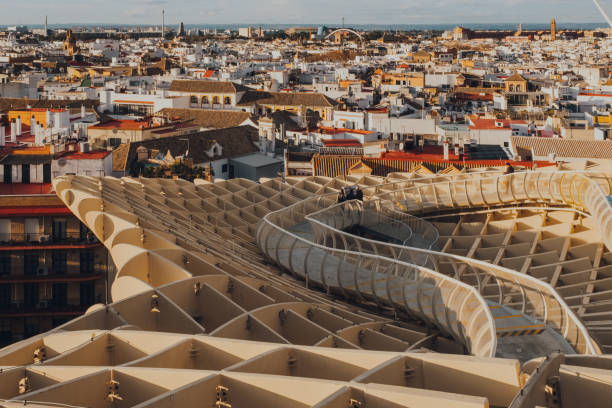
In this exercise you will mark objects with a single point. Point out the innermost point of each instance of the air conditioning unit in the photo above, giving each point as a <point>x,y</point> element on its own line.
<point>43,304</point>
<point>44,238</point>
<point>42,271</point>
<point>17,304</point>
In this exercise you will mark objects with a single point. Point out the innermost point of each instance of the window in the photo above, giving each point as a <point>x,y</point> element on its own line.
<point>30,295</point>
<point>205,100</point>
<point>5,332</point>
<point>215,100</point>
<point>88,294</point>
<point>58,262</point>
<point>31,327</point>
<point>193,100</point>
<point>87,262</point>
<point>5,265</point>
<point>8,173</point>
<point>60,294</point>
<point>224,168</point>
<point>25,173</point>
<point>46,173</point>
<point>59,229</point>
<point>5,229</point>
<point>30,264</point>
<point>32,229</point>
<point>5,295</point>
<point>227,100</point>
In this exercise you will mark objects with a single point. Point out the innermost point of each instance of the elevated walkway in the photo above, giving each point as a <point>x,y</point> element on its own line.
<point>509,315</point>
<point>518,335</point>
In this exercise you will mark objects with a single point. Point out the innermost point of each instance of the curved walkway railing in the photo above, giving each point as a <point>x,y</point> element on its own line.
<point>399,226</point>
<point>523,293</point>
<point>587,191</point>
<point>454,307</point>
<point>537,298</point>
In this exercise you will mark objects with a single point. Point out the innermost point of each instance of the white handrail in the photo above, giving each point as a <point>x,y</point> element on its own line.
<point>601,210</point>
<point>471,340</point>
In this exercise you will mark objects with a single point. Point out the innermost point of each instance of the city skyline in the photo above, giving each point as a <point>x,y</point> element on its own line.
<point>148,12</point>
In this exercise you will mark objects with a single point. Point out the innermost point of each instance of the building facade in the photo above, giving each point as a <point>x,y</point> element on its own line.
<point>52,268</point>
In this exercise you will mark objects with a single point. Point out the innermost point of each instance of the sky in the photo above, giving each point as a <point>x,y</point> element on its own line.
<point>76,12</point>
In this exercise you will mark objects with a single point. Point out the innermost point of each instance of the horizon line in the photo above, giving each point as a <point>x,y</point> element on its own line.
<point>302,24</point>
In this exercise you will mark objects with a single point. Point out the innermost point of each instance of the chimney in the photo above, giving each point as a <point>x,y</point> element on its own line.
<point>2,135</point>
<point>13,131</point>
<point>445,150</point>
<point>18,124</point>
<point>33,130</point>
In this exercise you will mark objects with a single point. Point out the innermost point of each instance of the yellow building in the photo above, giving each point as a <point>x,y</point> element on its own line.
<point>414,79</point>
<point>421,57</point>
<point>208,93</point>
<point>297,102</point>
<point>516,83</point>
<point>39,115</point>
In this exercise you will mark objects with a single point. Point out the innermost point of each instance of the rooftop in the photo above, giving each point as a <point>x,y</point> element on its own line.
<point>206,86</point>
<point>563,148</point>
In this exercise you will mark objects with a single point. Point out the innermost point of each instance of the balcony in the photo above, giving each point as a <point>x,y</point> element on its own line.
<point>41,309</point>
<point>52,278</point>
<point>49,241</point>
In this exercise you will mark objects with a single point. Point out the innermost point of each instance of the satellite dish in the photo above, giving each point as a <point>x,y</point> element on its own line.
<point>115,130</point>
<point>62,162</point>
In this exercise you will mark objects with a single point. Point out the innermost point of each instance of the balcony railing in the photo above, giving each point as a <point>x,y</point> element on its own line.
<point>51,278</point>
<point>46,239</point>
<point>41,308</point>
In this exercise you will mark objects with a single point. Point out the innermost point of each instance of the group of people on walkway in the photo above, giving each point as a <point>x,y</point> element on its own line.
<point>351,193</point>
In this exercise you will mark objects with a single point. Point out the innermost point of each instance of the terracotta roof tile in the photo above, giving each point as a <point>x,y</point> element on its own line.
<point>236,142</point>
<point>564,148</point>
<point>7,104</point>
<point>285,99</point>
<point>216,119</point>
<point>199,86</point>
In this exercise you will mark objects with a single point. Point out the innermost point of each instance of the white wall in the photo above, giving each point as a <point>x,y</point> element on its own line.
<point>381,123</point>
<point>36,173</point>
<point>350,120</point>
<point>81,167</point>
<point>491,136</point>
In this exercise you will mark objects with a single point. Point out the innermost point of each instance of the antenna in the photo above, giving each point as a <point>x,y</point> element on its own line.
<point>603,12</point>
